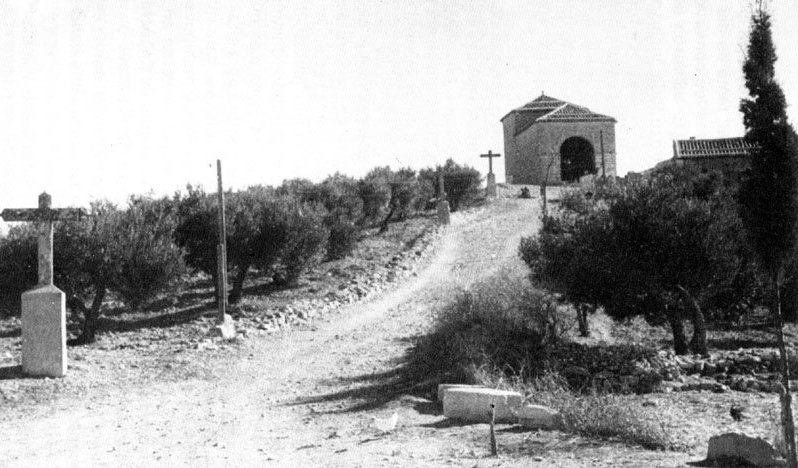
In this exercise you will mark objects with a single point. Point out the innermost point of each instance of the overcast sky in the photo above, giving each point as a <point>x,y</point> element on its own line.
<point>102,99</point>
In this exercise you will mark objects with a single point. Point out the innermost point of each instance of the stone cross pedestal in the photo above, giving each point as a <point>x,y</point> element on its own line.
<point>491,184</point>
<point>443,205</point>
<point>44,306</point>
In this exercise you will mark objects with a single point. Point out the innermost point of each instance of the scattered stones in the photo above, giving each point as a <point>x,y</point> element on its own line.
<point>538,417</point>
<point>442,388</point>
<point>735,447</point>
<point>473,404</point>
<point>225,330</point>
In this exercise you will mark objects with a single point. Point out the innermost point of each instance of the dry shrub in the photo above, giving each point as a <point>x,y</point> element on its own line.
<point>603,415</point>
<point>501,323</point>
<point>502,334</point>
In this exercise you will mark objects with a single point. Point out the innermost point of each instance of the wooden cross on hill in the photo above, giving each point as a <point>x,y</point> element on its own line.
<point>490,157</point>
<point>491,186</point>
<point>44,216</point>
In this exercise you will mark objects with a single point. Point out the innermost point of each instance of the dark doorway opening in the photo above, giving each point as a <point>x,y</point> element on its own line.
<point>577,159</point>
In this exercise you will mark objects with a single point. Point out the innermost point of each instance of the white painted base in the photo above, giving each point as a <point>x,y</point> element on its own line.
<point>443,212</point>
<point>491,185</point>
<point>44,332</point>
<point>225,330</point>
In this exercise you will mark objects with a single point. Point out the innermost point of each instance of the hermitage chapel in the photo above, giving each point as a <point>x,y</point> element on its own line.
<point>549,141</point>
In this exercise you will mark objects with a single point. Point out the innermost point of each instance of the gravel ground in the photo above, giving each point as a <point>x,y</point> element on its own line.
<point>306,395</point>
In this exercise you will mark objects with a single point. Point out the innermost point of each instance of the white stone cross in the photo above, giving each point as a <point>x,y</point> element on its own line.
<point>491,185</point>
<point>43,307</point>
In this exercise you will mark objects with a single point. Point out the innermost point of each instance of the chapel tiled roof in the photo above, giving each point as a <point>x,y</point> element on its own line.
<point>712,148</point>
<point>549,109</point>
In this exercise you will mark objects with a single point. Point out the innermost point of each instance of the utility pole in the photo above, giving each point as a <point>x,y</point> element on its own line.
<point>221,248</point>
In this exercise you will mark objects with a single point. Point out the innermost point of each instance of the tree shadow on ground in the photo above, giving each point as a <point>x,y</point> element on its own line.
<point>15,373</point>
<point>11,333</point>
<point>375,390</point>
<point>447,423</point>
<point>107,324</point>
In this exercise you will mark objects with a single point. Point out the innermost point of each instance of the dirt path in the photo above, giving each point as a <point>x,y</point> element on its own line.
<point>307,397</point>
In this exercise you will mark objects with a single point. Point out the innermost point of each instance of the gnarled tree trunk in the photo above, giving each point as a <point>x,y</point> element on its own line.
<point>91,315</point>
<point>581,318</point>
<point>698,344</point>
<point>679,337</point>
<point>238,284</point>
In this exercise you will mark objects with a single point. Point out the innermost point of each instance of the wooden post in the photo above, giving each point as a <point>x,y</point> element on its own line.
<point>443,205</point>
<point>494,448</point>
<point>221,253</point>
<point>45,243</point>
<point>601,142</point>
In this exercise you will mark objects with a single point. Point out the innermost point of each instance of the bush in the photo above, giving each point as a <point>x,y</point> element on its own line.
<point>18,265</point>
<point>405,193</point>
<point>298,234</point>
<point>278,234</point>
<point>197,231</point>
<point>375,191</point>
<point>666,246</point>
<point>500,323</point>
<point>343,236</point>
<point>144,253</point>
<point>461,183</point>
<point>340,196</point>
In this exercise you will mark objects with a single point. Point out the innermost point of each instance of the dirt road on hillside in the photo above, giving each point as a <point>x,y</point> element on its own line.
<point>303,398</point>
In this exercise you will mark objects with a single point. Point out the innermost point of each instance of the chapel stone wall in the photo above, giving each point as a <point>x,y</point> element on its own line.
<point>536,151</point>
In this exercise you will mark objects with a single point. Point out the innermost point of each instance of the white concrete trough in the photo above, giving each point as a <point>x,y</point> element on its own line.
<point>442,388</point>
<point>538,417</point>
<point>473,404</point>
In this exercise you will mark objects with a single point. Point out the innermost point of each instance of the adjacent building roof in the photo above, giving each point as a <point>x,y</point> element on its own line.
<point>549,109</point>
<point>712,148</point>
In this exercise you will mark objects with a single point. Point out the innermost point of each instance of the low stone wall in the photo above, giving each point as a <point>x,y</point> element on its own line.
<point>631,369</point>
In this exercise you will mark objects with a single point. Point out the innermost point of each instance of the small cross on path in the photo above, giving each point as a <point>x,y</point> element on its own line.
<point>491,186</point>
<point>43,307</point>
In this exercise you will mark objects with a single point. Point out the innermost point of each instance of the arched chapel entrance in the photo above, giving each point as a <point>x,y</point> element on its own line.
<point>577,159</point>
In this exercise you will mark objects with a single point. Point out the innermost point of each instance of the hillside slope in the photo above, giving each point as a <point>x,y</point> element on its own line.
<point>306,397</point>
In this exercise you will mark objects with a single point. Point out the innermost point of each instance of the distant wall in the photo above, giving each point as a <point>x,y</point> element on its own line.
<point>723,164</point>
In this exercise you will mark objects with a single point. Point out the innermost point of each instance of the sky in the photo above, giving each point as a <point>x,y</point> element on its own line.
<point>101,99</point>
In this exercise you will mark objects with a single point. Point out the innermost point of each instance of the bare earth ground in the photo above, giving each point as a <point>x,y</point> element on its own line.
<point>306,396</point>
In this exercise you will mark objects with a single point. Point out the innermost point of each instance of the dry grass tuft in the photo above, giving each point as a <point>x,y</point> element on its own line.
<point>605,416</point>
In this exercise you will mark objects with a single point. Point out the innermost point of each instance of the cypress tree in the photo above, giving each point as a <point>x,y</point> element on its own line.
<point>769,194</point>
